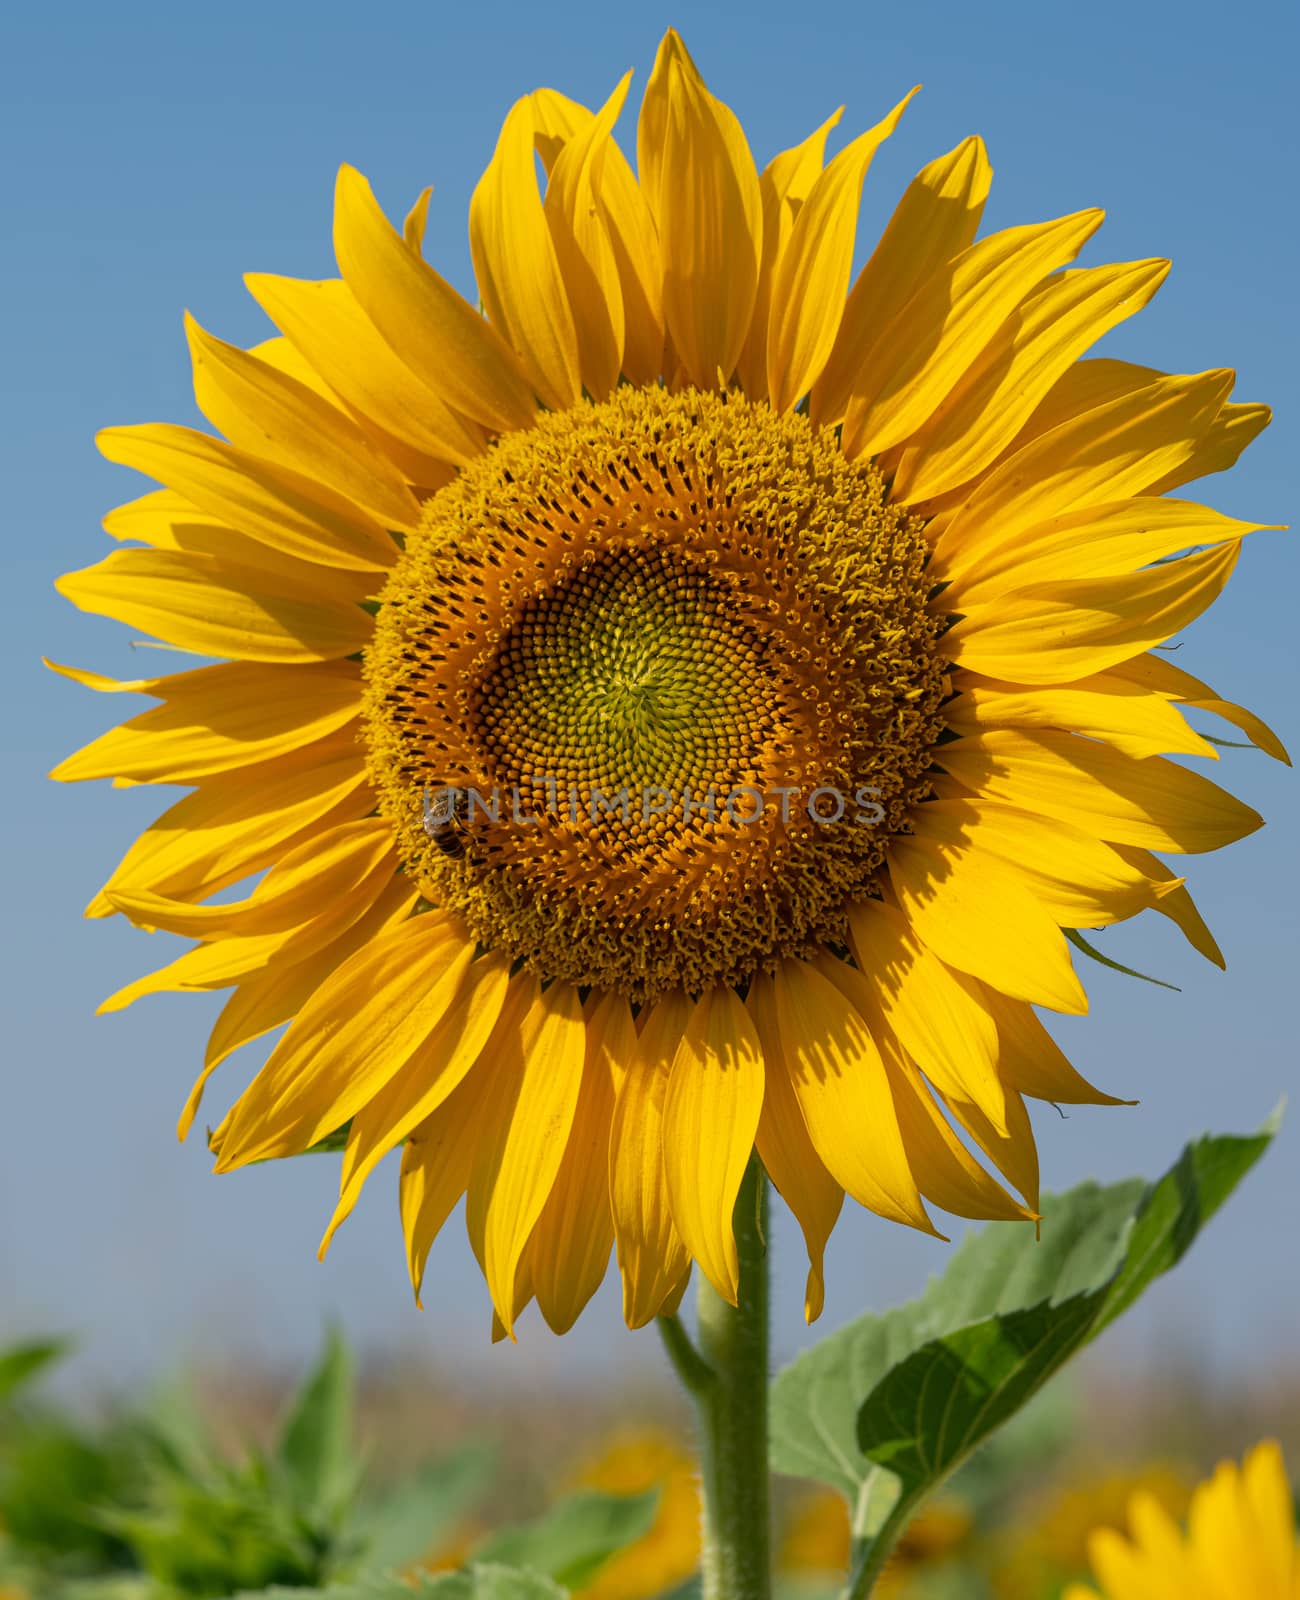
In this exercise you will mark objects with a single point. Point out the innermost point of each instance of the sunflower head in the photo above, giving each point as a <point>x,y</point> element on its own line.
<point>678,709</point>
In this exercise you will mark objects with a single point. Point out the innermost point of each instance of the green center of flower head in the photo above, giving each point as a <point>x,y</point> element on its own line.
<point>652,687</point>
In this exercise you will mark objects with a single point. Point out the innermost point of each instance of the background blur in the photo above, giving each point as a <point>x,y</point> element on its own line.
<point>153,153</point>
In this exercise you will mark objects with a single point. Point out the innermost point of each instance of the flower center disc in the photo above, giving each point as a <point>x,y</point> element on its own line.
<point>673,656</point>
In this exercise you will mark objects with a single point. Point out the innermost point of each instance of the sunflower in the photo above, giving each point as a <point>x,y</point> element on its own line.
<point>631,1462</point>
<point>675,710</point>
<point>1240,1541</point>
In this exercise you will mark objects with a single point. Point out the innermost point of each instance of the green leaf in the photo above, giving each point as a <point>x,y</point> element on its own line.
<point>575,1538</point>
<point>21,1362</point>
<point>478,1582</point>
<point>889,1405</point>
<point>423,1508</point>
<point>315,1446</point>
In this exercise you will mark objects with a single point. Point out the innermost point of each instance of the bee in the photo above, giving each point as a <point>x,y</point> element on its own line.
<point>443,815</point>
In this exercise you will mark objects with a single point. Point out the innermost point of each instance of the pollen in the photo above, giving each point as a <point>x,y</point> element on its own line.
<point>674,654</point>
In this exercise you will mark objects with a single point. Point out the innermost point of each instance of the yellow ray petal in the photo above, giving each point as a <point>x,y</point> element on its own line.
<point>1102,707</point>
<point>262,499</point>
<point>629,227</point>
<point>583,248</point>
<point>438,1162</point>
<point>927,348</point>
<point>1219,447</point>
<point>538,1072</point>
<point>1029,1059</point>
<point>975,914</point>
<point>934,222</point>
<point>298,885</point>
<point>410,420</point>
<point>440,337</point>
<point>215,608</point>
<point>229,828</point>
<point>1056,632</point>
<point>699,177</point>
<point>811,278</point>
<point>915,997</point>
<point>783,185</point>
<point>1026,356</point>
<point>515,262</point>
<point>788,1154</point>
<point>711,1112</point>
<point>945,1170</point>
<point>1097,541</point>
<point>417,219</point>
<point>349,1040</point>
<point>423,1084</point>
<point>843,1091</point>
<point>1077,879</point>
<point>1101,456</point>
<point>1155,673</point>
<point>1013,1152</point>
<point>165,520</point>
<point>1176,904</point>
<point>285,357</point>
<point>569,1249</point>
<point>284,986</point>
<point>1153,803</point>
<point>269,414</point>
<point>219,718</point>
<point>651,1256</point>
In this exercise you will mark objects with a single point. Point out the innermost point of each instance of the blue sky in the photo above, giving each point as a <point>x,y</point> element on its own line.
<point>156,152</point>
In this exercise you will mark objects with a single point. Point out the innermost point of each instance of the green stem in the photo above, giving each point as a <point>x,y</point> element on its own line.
<point>880,1550</point>
<point>732,1409</point>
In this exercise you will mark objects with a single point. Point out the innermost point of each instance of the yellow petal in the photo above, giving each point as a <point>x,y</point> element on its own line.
<point>699,177</point>
<point>280,990</point>
<point>1176,904</point>
<point>1098,541</point>
<point>424,1083</point>
<point>219,718</point>
<point>651,1256</point>
<point>214,608</point>
<point>1093,459</point>
<point>787,1152</point>
<point>950,1037</point>
<point>628,225</point>
<point>1102,706</point>
<point>411,421</point>
<point>783,185</point>
<point>945,1170</point>
<point>843,1091</point>
<point>1031,350</point>
<point>1218,448</point>
<point>1153,804</point>
<point>1056,632</point>
<point>440,337</point>
<point>299,883</point>
<point>259,497</point>
<point>538,1066</point>
<point>934,222</point>
<point>349,1040</point>
<point>438,1162</point>
<point>1029,1059</point>
<point>1155,673</point>
<point>923,352</point>
<point>515,262</point>
<point>711,1112</point>
<point>262,411</point>
<point>583,249</point>
<point>976,915</point>
<point>1013,1152</point>
<point>811,278</point>
<point>165,520</point>
<point>228,828</point>
<point>569,1248</point>
<point>416,221</point>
